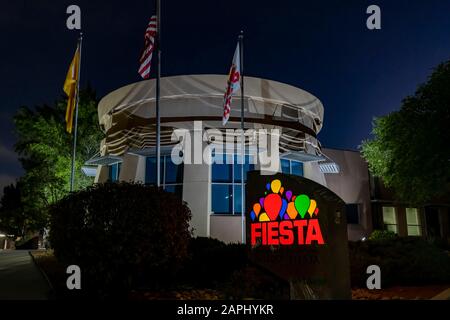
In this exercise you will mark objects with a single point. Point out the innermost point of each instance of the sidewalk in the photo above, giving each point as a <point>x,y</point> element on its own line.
<point>20,279</point>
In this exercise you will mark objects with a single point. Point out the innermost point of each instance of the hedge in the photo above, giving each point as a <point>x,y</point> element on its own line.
<point>122,235</point>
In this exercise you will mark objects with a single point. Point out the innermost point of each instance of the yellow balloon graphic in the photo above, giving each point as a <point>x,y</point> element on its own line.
<point>275,185</point>
<point>263,217</point>
<point>312,207</point>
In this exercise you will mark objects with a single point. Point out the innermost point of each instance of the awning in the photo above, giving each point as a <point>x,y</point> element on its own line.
<point>148,152</point>
<point>103,161</point>
<point>89,171</point>
<point>301,156</point>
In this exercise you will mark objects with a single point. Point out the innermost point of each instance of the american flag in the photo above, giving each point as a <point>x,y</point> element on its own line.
<point>149,47</point>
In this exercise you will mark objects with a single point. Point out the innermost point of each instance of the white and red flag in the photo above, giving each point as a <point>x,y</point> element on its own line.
<point>149,47</point>
<point>234,78</point>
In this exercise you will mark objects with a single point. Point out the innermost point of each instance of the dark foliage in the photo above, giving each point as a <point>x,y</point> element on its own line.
<point>403,261</point>
<point>256,283</point>
<point>28,244</point>
<point>121,235</point>
<point>410,149</point>
<point>212,262</point>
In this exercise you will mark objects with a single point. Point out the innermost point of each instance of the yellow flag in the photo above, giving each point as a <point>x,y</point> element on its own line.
<point>70,88</point>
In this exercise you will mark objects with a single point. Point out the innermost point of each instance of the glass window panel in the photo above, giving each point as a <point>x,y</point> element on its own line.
<point>150,170</point>
<point>113,174</point>
<point>391,227</point>
<point>223,172</point>
<point>177,189</point>
<point>413,231</point>
<point>222,196</point>
<point>412,216</point>
<point>237,199</point>
<point>174,173</point>
<point>389,215</point>
<point>247,167</point>
<point>285,166</point>
<point>352,213</point>
<point>297,168</point>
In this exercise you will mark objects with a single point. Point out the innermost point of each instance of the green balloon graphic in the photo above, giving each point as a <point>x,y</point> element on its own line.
<point>302,204</point>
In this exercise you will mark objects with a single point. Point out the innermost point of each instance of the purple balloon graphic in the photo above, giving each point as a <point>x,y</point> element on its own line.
<point>286,217</point>
<point>261,202</point>
<point>283,208</point>
<point>289,195</point>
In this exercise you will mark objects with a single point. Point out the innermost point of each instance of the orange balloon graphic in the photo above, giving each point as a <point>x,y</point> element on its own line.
<point>281,190</point>
<point>256,208</point>
<point>291,211</point>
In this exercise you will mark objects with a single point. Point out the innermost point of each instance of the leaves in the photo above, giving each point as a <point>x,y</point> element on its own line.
<point>121,234</point>
<point>45,152</point>
<point>411,147</point>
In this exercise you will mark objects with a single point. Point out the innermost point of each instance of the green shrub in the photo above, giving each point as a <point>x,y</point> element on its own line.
<point>28,243</point>
<point>403,261</point>
<point>212,262</point>
<point>121,235</point>
<point>382,235</point>
<point>256,283</point>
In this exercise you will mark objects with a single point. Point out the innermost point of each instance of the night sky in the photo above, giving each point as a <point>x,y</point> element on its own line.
<point>321,46</point>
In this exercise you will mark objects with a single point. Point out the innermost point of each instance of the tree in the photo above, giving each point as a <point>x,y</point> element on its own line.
<point>12,218</point>
<point>15,219</point>
<point>45,150</point>
<point>410,150</point>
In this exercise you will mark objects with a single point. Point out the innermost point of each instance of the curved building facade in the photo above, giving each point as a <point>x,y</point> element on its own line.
<point>193,105</point>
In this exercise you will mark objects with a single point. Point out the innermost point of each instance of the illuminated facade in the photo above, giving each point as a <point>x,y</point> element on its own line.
<point>212,191</point>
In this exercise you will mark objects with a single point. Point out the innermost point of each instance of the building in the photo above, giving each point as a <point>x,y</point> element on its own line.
<point>431,221</point>
<point>193,105</point>
<point>351,182</point>
<point>371,206</point>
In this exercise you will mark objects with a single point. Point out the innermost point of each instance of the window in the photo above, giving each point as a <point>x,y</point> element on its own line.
<point>352,212</point>
<point>291,167</point>
<point>171,174</point>
<point>390,219</point>
<point>412,222</point>
<point>226,183</point>
<point>114,172</point>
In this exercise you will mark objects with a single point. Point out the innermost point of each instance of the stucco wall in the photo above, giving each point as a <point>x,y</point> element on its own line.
<point>352,185</point>
<point>227,228</point>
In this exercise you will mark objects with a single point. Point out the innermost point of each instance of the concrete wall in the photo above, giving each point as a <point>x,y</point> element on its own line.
<point>129,168</point>
<point>196,193</point>
<point>227,228</point>
<point>140,170</point>
<point>352,185</point>
<point>311,171</point>
<point>102,174</point>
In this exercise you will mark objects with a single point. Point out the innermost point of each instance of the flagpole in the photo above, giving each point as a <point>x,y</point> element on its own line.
<point>241,61</point>
<point>158,78</point>
<point>74,150</point>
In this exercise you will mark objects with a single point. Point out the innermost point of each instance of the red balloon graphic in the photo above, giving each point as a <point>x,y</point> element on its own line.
<point>272,205</point>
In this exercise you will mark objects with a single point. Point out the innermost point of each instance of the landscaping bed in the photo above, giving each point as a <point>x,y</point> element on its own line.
<point>134,242</point>
<point>399,293</point>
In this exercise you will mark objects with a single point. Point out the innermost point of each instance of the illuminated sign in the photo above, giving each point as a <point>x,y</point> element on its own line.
<point>282,218</point>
